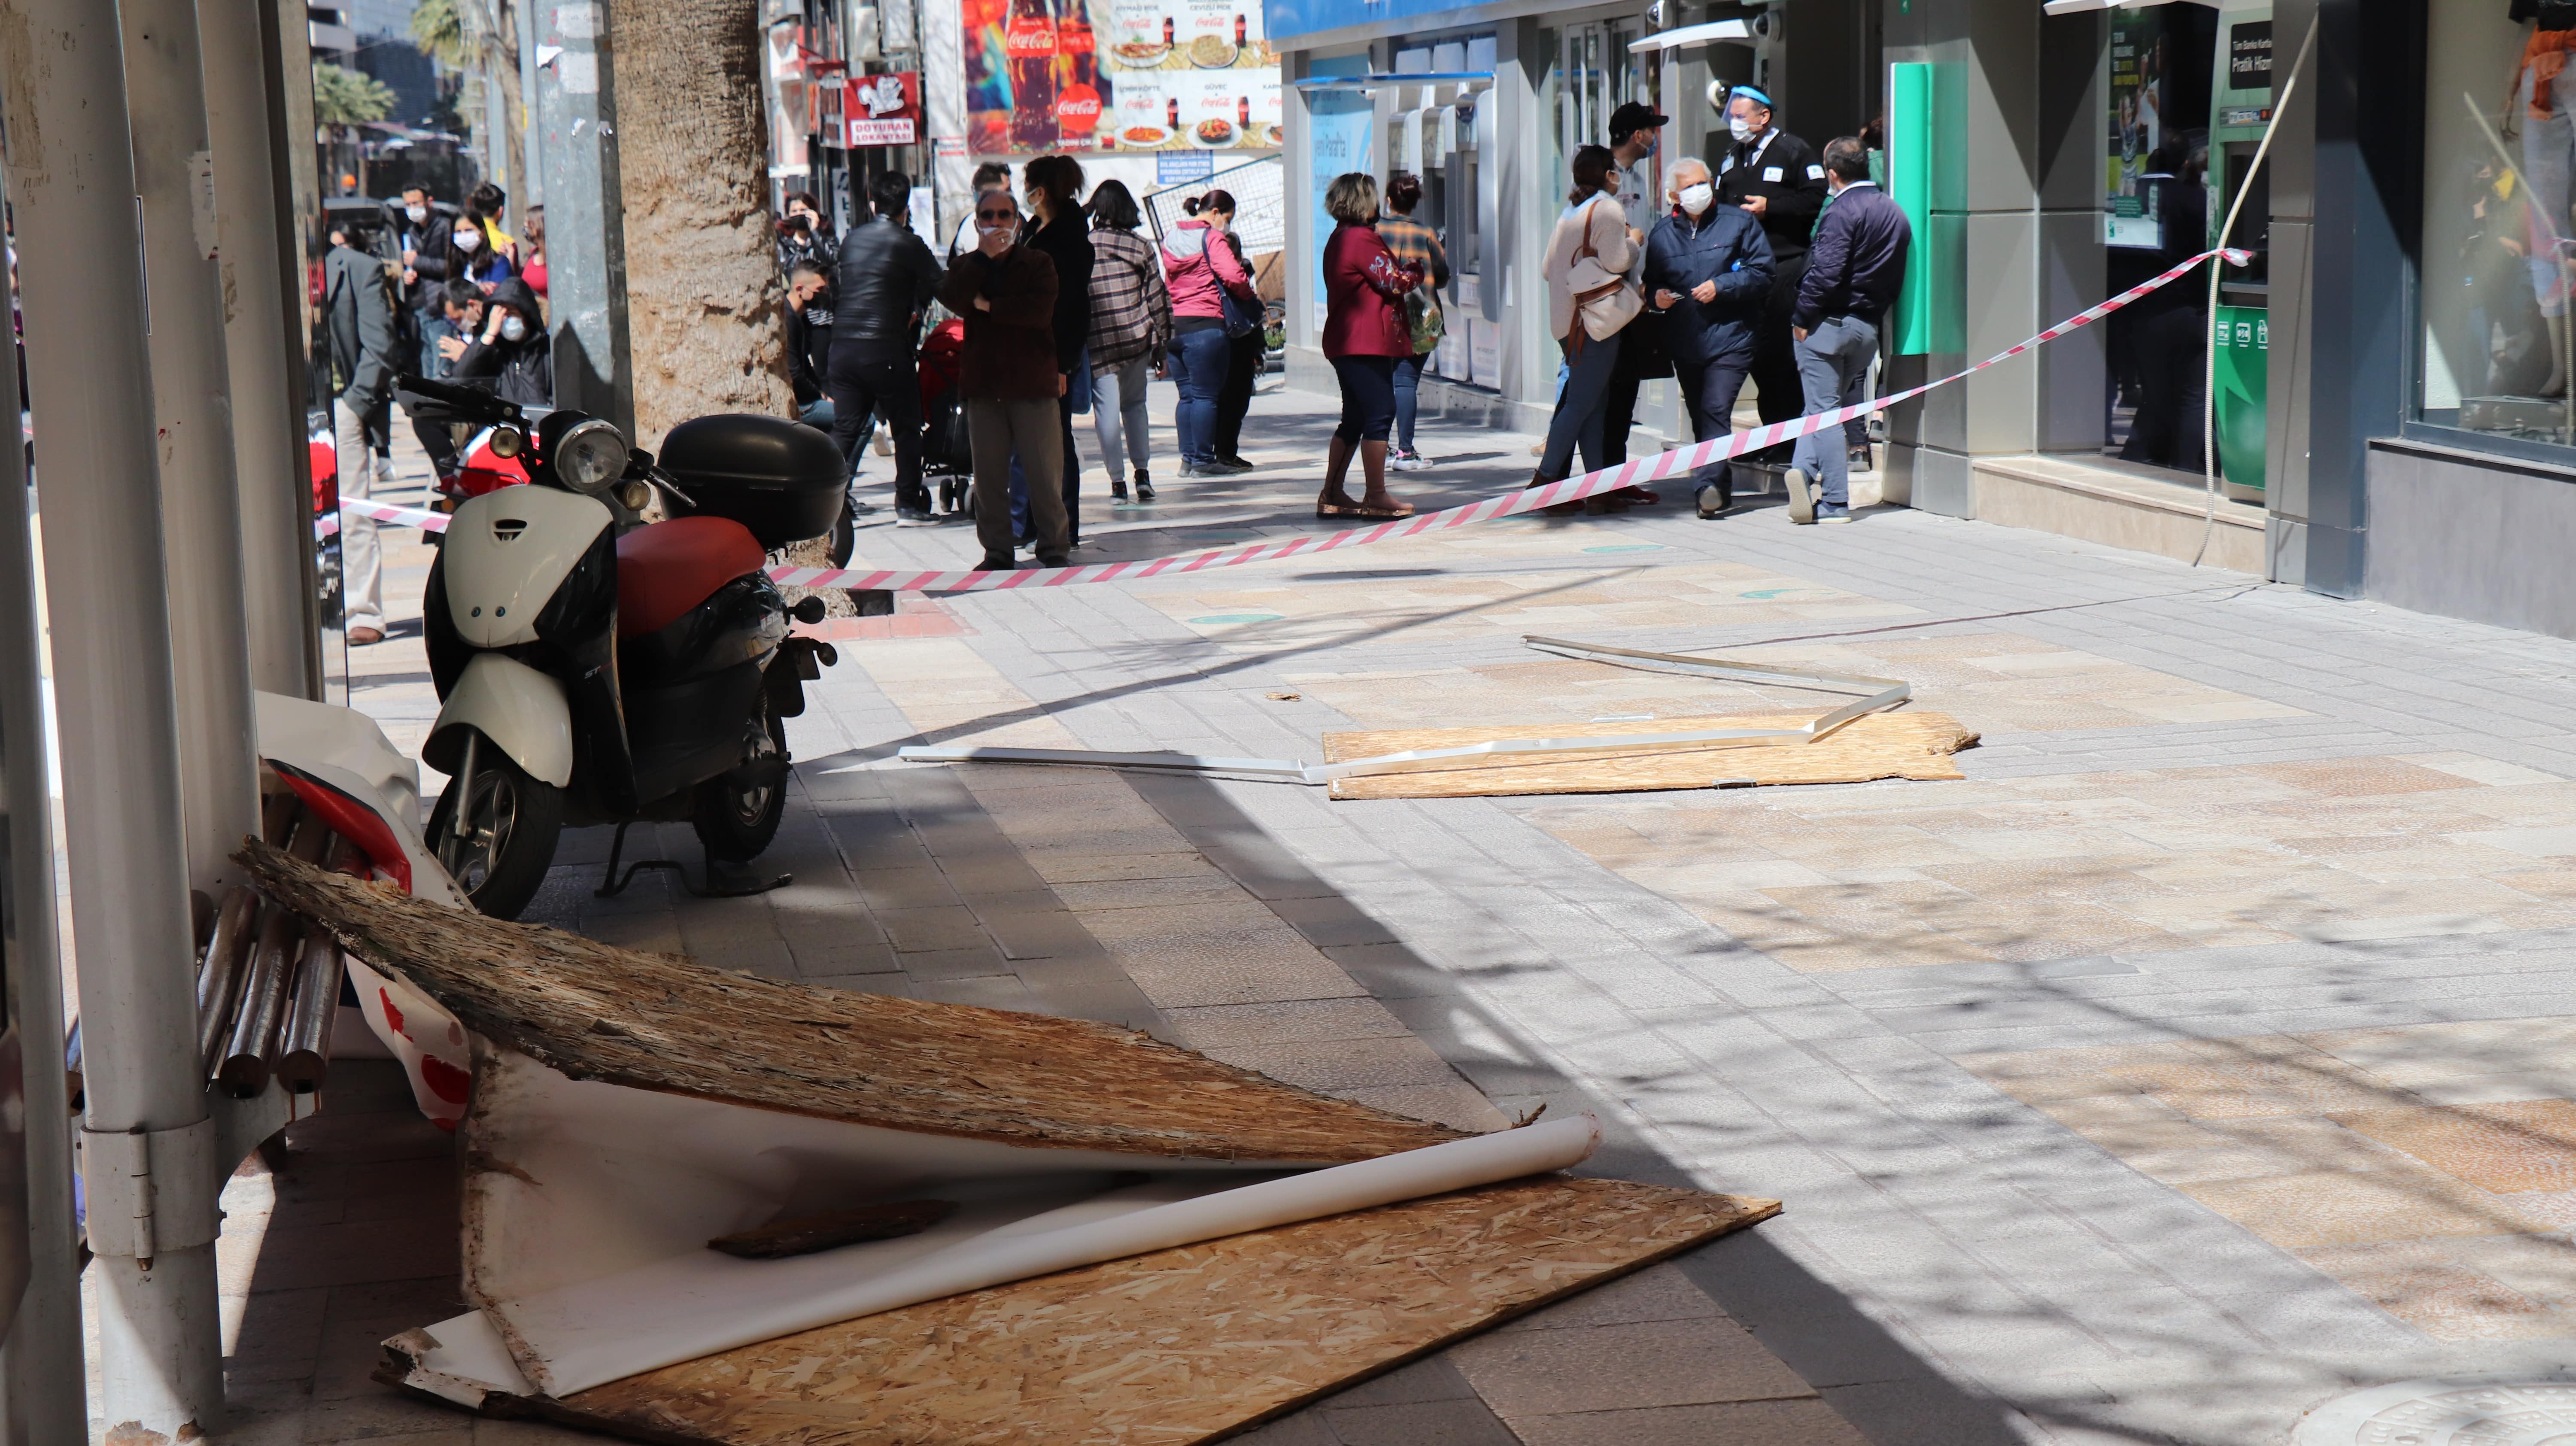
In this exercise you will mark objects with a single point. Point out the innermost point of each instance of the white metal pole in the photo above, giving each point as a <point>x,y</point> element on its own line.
<point>175,184</point>
<point>40,1366</point>
<point>267,395</point>
<point>532,168</point>
<point>71,172</point>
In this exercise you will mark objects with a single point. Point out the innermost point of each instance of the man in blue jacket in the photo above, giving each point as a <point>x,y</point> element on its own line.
<point>1854,269</point>
<point>1708,270</point>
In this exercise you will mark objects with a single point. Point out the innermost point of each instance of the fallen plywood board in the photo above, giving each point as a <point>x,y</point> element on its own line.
<point>1877,745</point>
<point>1174,1347</point>
<point>628,1108</point>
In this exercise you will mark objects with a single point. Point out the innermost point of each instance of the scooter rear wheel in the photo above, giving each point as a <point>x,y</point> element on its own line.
<point>737,818</point>
<point>500,855</point>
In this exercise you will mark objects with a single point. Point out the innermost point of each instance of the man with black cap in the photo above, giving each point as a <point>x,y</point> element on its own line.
<point>1778,178</point>
<point>1636,129</point>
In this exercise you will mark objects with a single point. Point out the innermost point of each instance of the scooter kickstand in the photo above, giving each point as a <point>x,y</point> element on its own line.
<point>724,880</point>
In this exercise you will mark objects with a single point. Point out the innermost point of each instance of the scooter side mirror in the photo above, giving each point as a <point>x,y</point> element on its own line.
<point>809,611</point>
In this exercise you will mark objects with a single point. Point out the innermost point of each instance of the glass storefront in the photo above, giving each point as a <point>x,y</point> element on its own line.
<point>2500,146</point>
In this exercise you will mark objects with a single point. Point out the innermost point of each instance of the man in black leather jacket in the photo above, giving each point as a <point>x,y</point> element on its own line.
<point>887,277</point>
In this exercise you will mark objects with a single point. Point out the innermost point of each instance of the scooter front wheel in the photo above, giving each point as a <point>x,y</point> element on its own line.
<point>497,841</point>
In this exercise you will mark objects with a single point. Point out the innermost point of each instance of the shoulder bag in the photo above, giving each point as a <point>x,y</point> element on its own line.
<point>1604,302</point>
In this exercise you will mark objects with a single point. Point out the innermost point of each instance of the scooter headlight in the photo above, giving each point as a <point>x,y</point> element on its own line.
<point>506,442</point>
<point>590,457</point>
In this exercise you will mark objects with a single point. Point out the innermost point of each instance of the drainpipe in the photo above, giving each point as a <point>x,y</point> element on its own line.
<point>267,390</point>
<point>148,1144</point>
<point>174,177</point>
<point>40,1365</point>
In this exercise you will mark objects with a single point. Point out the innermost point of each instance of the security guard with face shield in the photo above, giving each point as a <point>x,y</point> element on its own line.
<point>1778,178</point>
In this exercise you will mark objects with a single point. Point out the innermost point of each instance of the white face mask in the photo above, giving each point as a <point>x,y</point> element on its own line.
<point>469,241</point>
<point>513,329</point>
<point>1744,131</point>
<point>1696,196</point>
<point>417,213</point>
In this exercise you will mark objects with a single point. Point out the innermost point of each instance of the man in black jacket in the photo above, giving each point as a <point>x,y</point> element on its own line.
<point>1853,275</point>
<point>887,277</point>
<point>1708,271</point>
<point>358,312</point>
<point>809,341</point>
<point>1776,177</point>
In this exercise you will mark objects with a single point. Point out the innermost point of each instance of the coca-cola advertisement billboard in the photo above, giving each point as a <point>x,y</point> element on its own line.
<point>1119,75</point>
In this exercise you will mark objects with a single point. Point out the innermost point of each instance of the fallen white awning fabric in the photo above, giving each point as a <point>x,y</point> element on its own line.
<point>630,1111</point>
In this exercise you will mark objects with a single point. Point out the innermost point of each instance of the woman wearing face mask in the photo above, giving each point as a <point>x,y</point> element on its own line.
<point>512,358</point>
<point>1589,303</point>
<point>1708,272</point>
<point>1210,293</point>
<point>470,256</point>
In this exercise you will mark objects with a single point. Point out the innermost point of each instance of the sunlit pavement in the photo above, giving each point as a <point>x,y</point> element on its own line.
<point>2200,1054</point>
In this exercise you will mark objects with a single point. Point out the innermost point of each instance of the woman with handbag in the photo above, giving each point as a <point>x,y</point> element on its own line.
<point>1410,240</point>
<point>1364,332</point>
<point>1589,303</point>
<point>1210,290</point>
<point>1245,347</point>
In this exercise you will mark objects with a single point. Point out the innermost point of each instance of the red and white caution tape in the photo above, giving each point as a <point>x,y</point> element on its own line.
<point>1572,489</point>
<point>426,521</point>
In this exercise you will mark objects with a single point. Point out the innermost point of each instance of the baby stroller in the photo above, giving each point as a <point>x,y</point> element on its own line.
<point>947,461</point>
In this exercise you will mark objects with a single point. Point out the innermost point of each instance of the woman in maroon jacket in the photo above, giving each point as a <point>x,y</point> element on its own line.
<point>1364,332</point>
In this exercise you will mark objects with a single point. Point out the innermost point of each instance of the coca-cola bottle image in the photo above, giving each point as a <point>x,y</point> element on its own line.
<point>1170,31</point>
<point>1029,44</point>
<point>1238,32</point>
<point>1077,77</point>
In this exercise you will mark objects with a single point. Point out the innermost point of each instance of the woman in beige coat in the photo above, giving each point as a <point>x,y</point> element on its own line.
<point>1589,301</point>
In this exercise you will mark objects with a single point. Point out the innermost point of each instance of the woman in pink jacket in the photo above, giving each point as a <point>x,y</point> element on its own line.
<point>1200,270</point>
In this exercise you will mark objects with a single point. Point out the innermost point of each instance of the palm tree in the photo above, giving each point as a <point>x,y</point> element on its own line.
<point>440,33</point>
<point>702,289</point>
<point>343,100</point>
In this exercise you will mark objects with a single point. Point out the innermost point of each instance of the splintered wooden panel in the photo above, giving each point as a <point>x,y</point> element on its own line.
<point>1177,1346</point>
<point>651,1021</point>
<point>1880,745</point>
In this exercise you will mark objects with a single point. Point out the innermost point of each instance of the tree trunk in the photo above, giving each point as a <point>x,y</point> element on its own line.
<point>702,287</point>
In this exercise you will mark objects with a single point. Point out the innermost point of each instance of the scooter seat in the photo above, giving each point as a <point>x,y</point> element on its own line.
<point>670,567</point>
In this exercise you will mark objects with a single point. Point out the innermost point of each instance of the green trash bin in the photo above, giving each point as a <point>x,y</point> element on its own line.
<point>2243,339</point>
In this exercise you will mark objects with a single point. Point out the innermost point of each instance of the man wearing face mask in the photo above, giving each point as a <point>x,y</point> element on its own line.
<point>513,357</point>
<point>417,240</point>
<point>1708,271</point>
<point>1636,132</point>
<point>1775,177</point>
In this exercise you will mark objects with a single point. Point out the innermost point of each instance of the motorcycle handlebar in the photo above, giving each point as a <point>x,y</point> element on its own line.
<point>461,403</point>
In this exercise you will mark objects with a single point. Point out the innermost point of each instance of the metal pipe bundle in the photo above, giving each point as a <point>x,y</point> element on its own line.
<point>252,1044</point>
<point>304,1051</point>
<point>219,978</point>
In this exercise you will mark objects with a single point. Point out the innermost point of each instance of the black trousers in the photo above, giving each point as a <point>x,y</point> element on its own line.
<point>2172,371</point>
<point>1072,475</point>
<point>440,444</point>
<point>1775,358</point>
<point>1234,399</point>
<point>867,382</point>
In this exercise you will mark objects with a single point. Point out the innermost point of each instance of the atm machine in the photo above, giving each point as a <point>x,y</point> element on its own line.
<point>2240,108</point>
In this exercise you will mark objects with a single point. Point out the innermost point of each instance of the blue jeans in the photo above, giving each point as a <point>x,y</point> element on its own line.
<point>1582,410</point>
<point>1123,420</point>
<point>1408,384</point>
<point>432,365</point>
<point>1199,359</point>
<point>1833,362</point>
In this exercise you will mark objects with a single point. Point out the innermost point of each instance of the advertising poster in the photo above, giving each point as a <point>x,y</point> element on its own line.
<point>2136,129</point>
<point>1340,124</point>
<point>1119,75</point>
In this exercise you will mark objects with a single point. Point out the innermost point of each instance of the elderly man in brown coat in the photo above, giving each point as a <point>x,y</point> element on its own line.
<point>1006,293</point>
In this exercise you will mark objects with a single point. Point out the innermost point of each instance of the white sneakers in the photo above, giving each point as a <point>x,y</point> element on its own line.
<point>1802,496</point>
<point>1408,462</point>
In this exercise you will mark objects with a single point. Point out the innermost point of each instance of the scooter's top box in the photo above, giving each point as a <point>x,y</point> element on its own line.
<point>781,479</point>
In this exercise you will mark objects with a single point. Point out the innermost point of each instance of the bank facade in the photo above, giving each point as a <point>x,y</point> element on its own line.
<point>2395,379</point>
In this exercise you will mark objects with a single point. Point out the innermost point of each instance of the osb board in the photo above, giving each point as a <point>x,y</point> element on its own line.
<point>655,1022</point>
<point>1880,745</point>
<point>1174,1347</point>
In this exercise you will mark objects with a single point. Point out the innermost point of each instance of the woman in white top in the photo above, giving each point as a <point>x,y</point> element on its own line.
<point>1589,301</point>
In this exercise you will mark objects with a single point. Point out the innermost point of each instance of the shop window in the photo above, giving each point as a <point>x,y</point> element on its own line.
<point>2493,354</point>
<point>2157,211</point>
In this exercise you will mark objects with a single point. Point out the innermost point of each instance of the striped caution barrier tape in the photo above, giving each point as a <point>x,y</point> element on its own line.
<point>421,518</point>
<point>1572,489</point>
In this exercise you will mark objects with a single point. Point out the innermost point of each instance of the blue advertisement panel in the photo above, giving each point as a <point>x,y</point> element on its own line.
<point>1339,123</point>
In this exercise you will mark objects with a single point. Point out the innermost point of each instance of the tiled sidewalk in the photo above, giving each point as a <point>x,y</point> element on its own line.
<point>2197,1058</point>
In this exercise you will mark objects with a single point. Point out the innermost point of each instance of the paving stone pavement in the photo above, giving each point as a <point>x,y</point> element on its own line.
<point>2196,1058</point>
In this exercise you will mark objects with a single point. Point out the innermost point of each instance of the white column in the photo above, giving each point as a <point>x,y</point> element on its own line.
<point>73,177</point>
